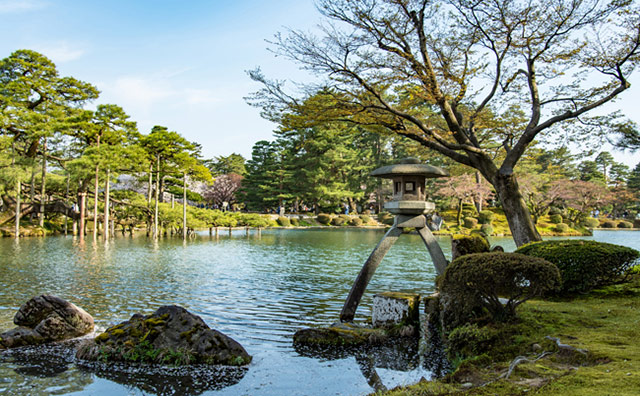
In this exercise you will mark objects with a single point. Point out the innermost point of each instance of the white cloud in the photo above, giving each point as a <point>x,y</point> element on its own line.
<point>18,6</point>
<point>59,52</point>
<point>200,96</point>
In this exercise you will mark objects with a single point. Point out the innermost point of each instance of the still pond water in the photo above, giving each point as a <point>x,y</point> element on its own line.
<point>258,289</point>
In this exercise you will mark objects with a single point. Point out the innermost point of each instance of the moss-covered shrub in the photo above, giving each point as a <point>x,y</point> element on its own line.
<point>486,217</point>
<point>365,218</point>
<point>470,222</point>
<point>324,218</point>
<point>608,224</point>
<point>283,221</point>
<point>584,265</point>
<point>355,221</point>
<point>294,222</point>
<point>556,218</point>
<point>625,224</point>
<point>384,216</point>
<point>487,229</point>
<point>590,222</point>
<point>337,221</point>
<point>479,279</point>
<point>562,228</point>
<point>554,210</point>
<point>467,244</point>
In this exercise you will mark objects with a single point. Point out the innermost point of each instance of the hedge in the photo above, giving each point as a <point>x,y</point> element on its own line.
<point>584,265</point>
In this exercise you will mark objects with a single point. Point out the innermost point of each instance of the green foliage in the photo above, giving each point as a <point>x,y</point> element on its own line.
<point>470,222</point>
<point>609,224</point>
<point>487,229</point>
<point>486,217</point>
<point>366,219</point>
<point>355,221</point>
<point>338,221</point>
<point>283,221</point>
<point>590,222</point>
<point>584,265</point>
<point>625,224</point>
<point>467,244</point>
<point>324,218</point>
<point>294,221</point>
<point>561,228</point>
<point>479,279</point>
<point>470,339</point>
<point>556,218</point>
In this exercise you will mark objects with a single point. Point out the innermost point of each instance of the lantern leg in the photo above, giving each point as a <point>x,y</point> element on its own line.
<point>366,273</point>
<point>437,256</point>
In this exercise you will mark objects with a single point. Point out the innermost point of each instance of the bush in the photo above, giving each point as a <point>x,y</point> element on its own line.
<point>478,280</point>
<point>385,218</point>
<point>283,221</point>
<point>487,229</point>
<point>590,222</point>
<point>294,222</point>
<point>556,219</point>
<point>584,265</point>
<point>542,224</point>
<point>625,224</point>
<point>324,218</point>
<point>337,221</point>
<point>555,211</point>
<point>608,224</point>
<point>355,221</point>
<point>562,228</point>
<point>467,244</point>
<point>470,222</point>
<point>365,219</point>
<point>486,217</point>
<point>345,217</point>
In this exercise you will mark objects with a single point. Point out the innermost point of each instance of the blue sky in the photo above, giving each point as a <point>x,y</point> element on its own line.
<point>180,64</point>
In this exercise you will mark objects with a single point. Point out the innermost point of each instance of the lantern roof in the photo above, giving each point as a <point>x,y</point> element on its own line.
<point>409,167</point>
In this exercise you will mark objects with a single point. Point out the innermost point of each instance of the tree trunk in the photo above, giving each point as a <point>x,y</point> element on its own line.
<point>66,204</point>
<point>106,230</point>
<point>478,197</point>
<point>184,206</point>
<point>155,211</point>
<point>520,222</point>
<point>44,183</point>
<point>81,207</point>
<point>150,184</point>
<point>32,191</point>
<point>95,205</point>
<point>18,190</point>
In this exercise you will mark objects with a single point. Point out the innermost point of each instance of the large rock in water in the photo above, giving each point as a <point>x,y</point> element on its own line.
<point>170,335</point>
<point>46,318</point>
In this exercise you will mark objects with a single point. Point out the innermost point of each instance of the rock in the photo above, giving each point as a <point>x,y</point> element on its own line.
<point>170,335</point>
<point>395,308</point>
<point>46,318</point>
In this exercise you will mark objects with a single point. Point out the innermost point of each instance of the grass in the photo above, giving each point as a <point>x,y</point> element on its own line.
<point>606,323</point>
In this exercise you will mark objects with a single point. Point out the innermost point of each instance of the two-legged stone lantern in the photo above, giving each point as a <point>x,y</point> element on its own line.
<point>410,206</point>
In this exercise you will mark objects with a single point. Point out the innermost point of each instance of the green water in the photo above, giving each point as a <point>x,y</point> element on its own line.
<point>258,289</point>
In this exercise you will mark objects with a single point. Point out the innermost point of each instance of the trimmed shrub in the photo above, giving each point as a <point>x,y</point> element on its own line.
<point>385,218</point>
<point>475,282</point>
<point>487,229</point>
<point>467,244</point>
<point>283,221</point>
<point>355,221</point>
<point>542,224</point>
<point>324,218</point>
<point>555,211</point>
<point>294,222</point>
<point>625,224</point>
<point>561,228</point>
<point>486,217</point>
<point>608,224</point>
<point>556,219</point>
<point>470,222</point>
<point>590,222</point>
<point>584,265</point>
<point>365,218</point>
<point>338,221</point>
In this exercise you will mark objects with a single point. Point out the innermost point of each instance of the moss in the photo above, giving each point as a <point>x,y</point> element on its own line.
<point>102,337</point>
<point>154,322</point>
<point>187,334</point>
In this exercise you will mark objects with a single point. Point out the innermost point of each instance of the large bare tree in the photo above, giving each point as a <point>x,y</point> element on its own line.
<point>476,81</point>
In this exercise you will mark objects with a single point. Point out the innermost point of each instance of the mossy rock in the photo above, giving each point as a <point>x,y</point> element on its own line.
<point>171,335</point>
<point>340,335</point>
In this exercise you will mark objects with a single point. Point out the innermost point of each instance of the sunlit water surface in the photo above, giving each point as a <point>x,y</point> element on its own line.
<point>258,289</point>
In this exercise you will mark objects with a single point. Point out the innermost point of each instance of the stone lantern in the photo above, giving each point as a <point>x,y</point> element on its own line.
<point>410,206</point>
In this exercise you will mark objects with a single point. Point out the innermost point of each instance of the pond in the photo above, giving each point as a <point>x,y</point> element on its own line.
<point>257,288</point>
